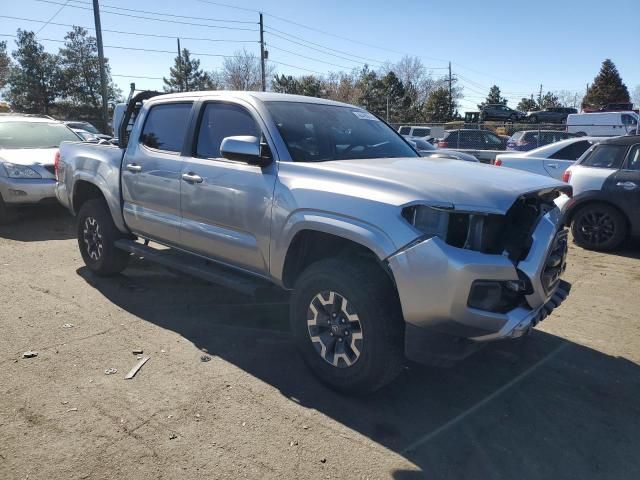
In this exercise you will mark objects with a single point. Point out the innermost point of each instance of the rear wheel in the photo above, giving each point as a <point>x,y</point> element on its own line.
<point>96,239</point>
<point>599,227</point>
<point>347,323</point>
<point>7,214</point>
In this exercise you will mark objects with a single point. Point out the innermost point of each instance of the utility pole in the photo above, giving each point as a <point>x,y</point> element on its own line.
<point>103,74</point>
<point>450,93</point>
<point>387,108</point>
<point>264,82</point>
<point>540,96</point>
<point>180,69</point>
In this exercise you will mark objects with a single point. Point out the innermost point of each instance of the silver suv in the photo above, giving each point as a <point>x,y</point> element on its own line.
<point>386,254</point>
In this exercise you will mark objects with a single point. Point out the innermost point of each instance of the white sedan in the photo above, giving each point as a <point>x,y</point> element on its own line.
<point>550,160</point>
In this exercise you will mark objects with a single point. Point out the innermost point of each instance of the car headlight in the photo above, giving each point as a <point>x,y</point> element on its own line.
<point>20,171</point>
<point>431,221</point>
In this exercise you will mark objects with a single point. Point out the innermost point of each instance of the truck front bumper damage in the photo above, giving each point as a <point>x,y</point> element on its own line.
<point>435,281</point>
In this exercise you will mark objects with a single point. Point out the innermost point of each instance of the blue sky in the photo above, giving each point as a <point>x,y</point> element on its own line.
<point>516,45</point>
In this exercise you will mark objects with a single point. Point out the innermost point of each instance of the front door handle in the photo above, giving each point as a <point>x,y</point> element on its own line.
<point>627,185</point>
<point>132,167</point>
<point>191,177</point>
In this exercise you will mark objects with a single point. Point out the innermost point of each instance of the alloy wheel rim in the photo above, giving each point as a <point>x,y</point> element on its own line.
<point>335,329</point>
<point>92,238</point>
<point>597,227</point>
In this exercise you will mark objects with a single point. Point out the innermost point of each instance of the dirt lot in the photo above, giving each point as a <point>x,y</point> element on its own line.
<point>563,405</point>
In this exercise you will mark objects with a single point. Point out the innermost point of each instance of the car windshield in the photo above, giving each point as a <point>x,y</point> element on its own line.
<point>34,134</point>
<point>319,133</point>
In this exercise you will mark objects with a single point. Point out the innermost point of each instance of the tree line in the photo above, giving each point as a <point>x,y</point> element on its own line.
<point>67,83</point>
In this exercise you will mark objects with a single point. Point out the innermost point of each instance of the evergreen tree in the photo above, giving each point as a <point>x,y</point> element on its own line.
<point>5,64</point>
<point>34,79</point>
<point>607,87</point>
<point>186,75</point>
<point>80,71</point>
<point>527,105</point>
<point>494,98</point>
<point>549,100</point>
<point>285,84</point>
<point>437,108</point>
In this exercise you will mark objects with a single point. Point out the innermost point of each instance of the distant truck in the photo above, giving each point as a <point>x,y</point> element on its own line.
<point>602,124</point>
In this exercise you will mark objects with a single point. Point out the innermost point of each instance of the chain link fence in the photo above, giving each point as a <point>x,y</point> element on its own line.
<point>513,136</point>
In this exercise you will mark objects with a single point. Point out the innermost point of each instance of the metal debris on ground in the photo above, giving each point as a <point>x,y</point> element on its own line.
<point>323,460</point>
<point>29,354</point>
<point>74,409</point>
<point>173,436</point>
<point>135,369</point>
<point>137,351</point>
<point>110,371</point>
<point>205,358</point>
<point>67,325</point>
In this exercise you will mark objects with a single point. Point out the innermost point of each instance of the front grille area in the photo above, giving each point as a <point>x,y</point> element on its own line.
<point>556,261</point>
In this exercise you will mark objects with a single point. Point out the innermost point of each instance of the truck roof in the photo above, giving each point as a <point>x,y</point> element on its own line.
<point>260,96</point>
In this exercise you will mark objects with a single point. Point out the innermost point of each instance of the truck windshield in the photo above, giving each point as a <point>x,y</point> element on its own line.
<point>320,133</point>
<point>34,135</point>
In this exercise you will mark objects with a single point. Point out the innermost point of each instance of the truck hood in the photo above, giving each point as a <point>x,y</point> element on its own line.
<point>468,186</point>
<point>28,156</point>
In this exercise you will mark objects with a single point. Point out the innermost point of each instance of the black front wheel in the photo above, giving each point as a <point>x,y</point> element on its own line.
<point>96,239</point>
<point>599,227</point>
<point>347,323</point>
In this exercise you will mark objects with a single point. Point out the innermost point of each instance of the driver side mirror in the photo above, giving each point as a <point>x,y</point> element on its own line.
<point>244,149</point>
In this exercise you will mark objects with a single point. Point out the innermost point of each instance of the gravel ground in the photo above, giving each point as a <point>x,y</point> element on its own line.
<point>562,405</point>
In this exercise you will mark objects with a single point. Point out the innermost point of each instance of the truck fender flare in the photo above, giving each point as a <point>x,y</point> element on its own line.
<point>359,232</point>
<point>113,202</point>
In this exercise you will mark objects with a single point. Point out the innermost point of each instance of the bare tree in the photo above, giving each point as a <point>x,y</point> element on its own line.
<point>635,96</point>
<point>242,71</point>
<point>569,98</point>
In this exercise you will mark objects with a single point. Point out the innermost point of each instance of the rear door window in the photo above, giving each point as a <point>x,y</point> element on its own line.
<point>405,130</point>
<point>606,156</point>
<point>165,127</point>
<point>572,152</point>
<point>421,132</point>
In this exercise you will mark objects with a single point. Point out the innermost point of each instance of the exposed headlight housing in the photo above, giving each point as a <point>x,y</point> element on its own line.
<point>431,221</point>
<point>20,171</point>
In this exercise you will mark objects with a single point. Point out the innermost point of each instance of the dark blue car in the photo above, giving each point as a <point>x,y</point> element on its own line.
<point>526,140</point>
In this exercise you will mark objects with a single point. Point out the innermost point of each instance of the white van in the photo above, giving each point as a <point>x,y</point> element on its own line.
<point>602,124</point>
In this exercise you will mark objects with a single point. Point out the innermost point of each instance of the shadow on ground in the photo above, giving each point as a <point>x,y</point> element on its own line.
<point>40,223</point>
<point>570,413</point>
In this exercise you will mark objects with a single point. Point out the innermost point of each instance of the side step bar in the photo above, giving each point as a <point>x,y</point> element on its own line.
<point>196,267</point>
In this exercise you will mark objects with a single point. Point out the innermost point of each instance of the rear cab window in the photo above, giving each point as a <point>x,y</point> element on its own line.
<point>421,132</point>
<point>405,130</point>
<point>165,127</point>
<point>605,156</point>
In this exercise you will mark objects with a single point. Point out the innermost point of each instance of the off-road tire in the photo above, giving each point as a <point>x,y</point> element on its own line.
<point>107,260</point>
<point>371,295</point>
<point>612,225</point>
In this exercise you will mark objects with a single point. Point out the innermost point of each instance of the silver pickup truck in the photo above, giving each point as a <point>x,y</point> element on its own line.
<point>387,255</point>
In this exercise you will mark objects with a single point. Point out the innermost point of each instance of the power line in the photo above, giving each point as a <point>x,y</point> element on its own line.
<point>138,34</point>
<point>116,7</point>
<point>52,17</point>
<point>154,19</point>
<point>271,46</point>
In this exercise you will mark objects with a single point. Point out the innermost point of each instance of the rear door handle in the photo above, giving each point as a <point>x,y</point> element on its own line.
<point>191,177</point>
<point>627,185</point>
<point>552,165</point>
<point>132,167</point>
